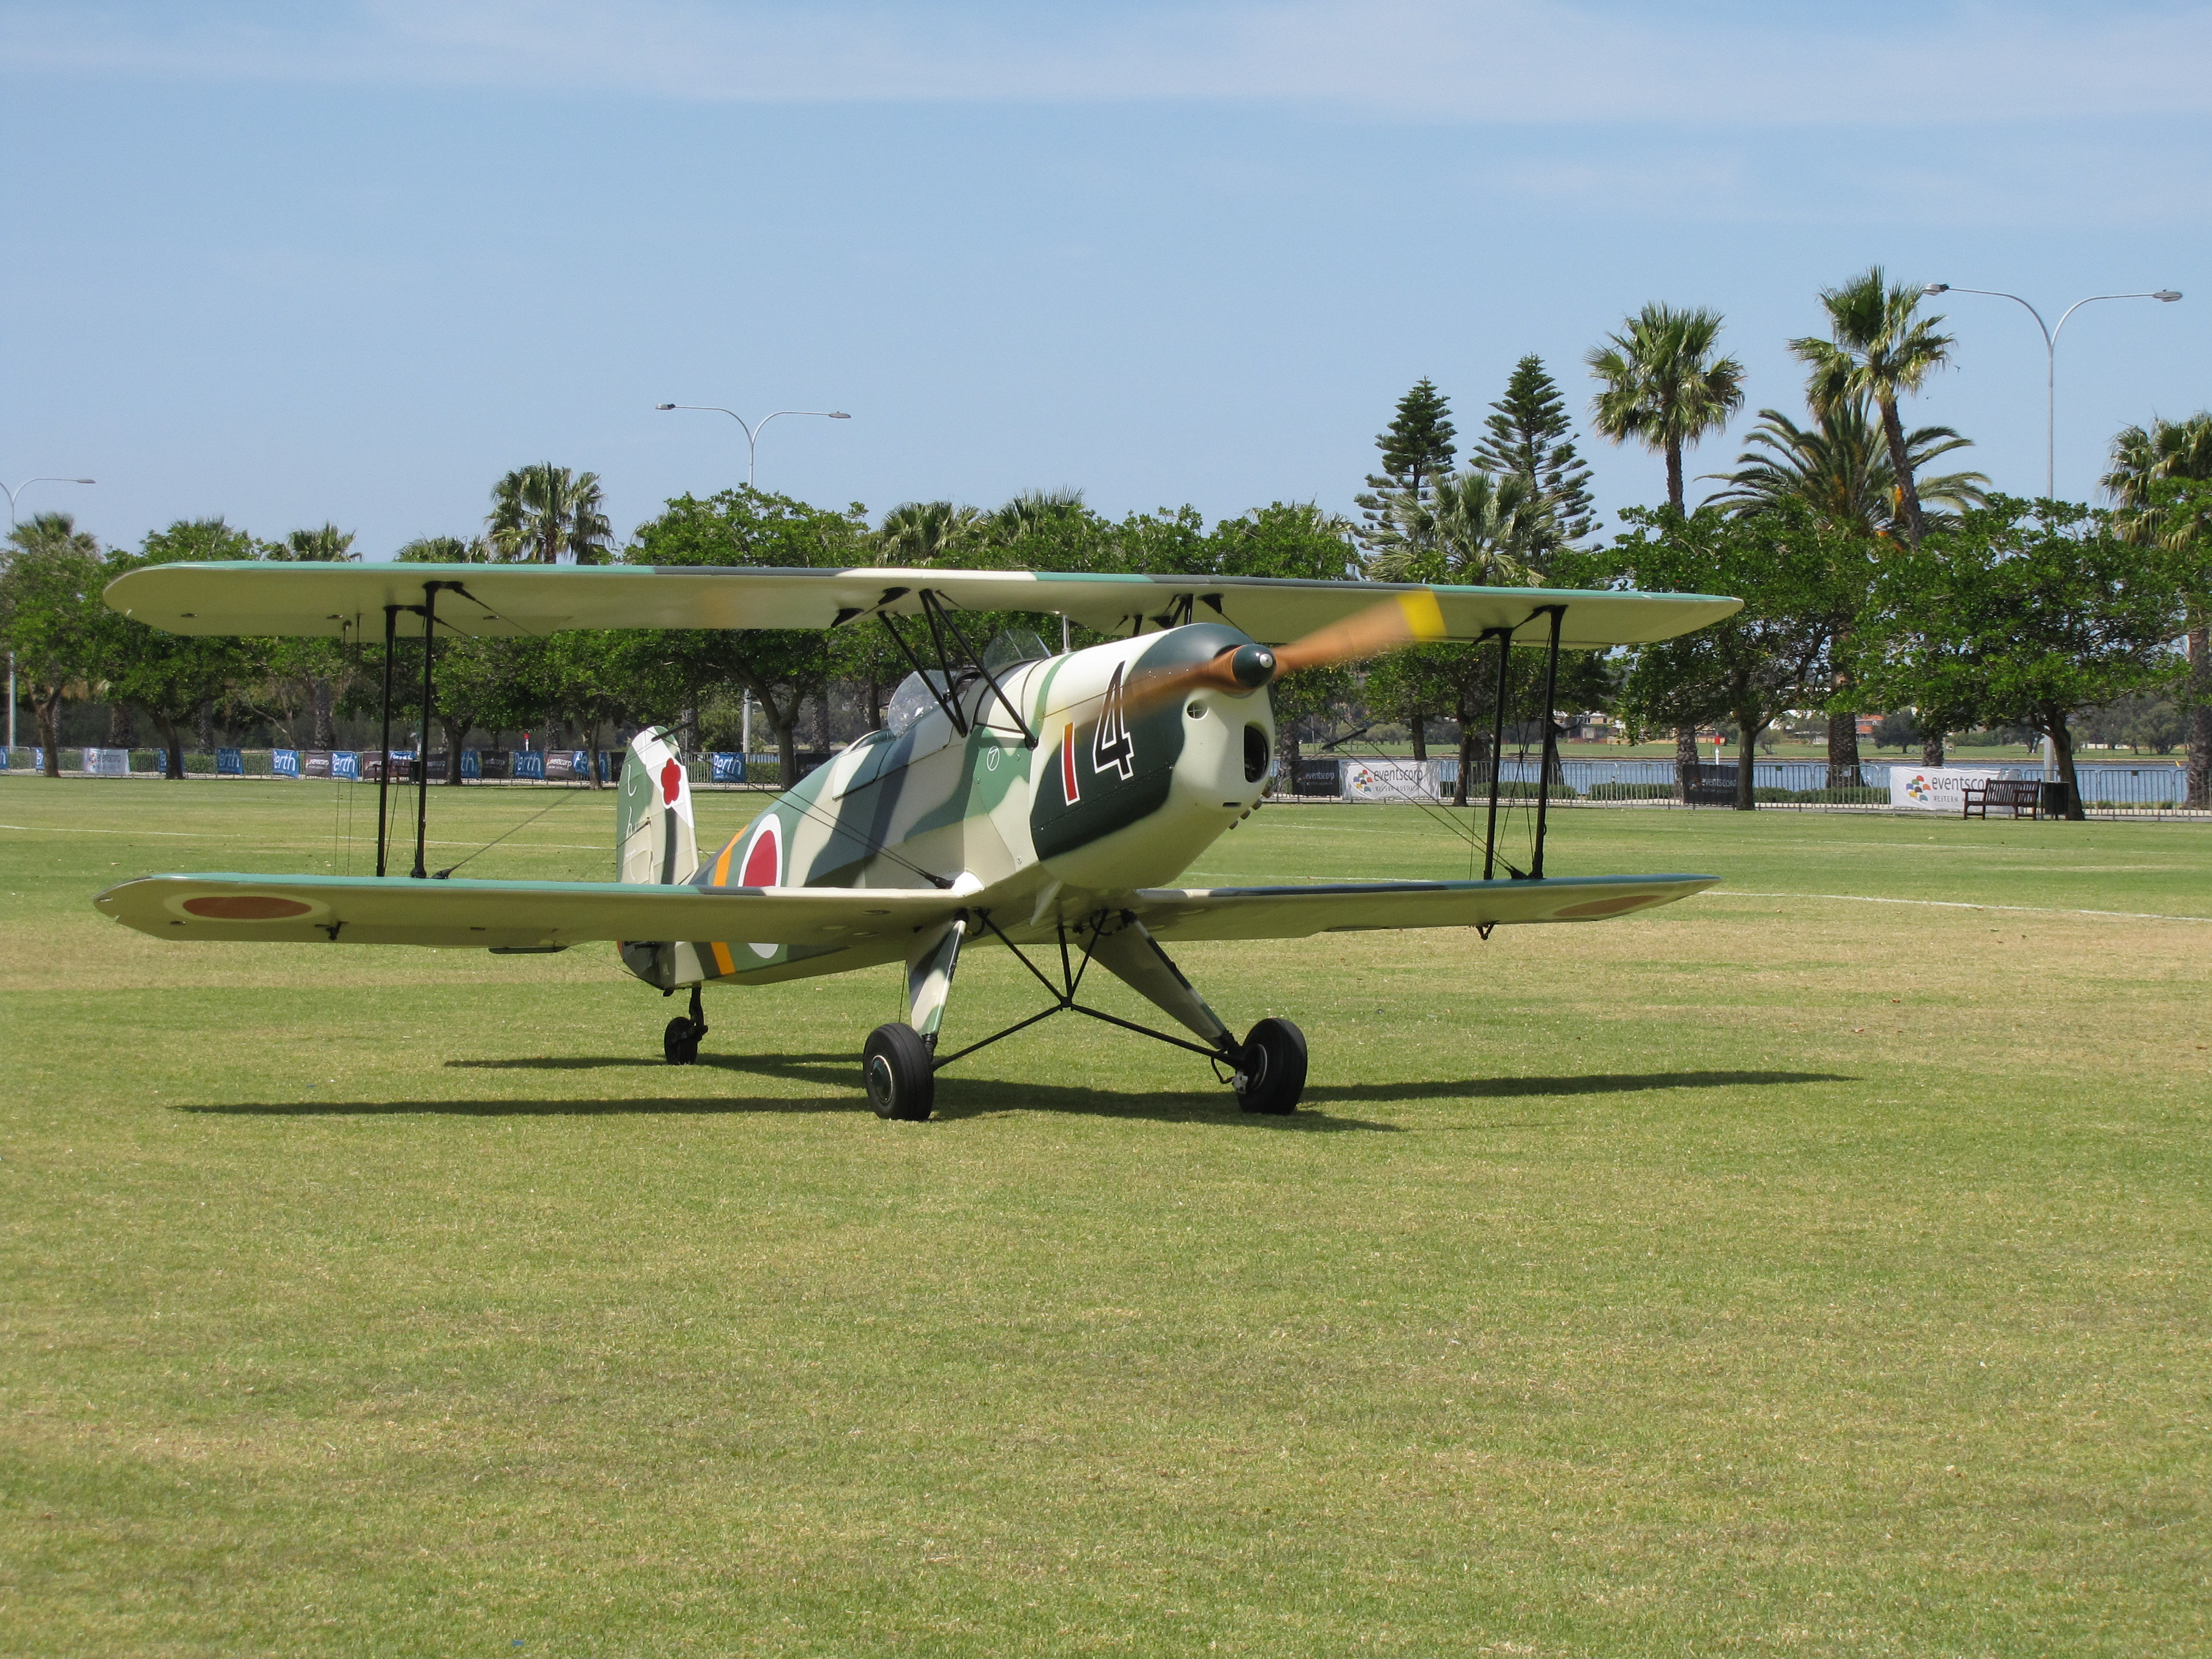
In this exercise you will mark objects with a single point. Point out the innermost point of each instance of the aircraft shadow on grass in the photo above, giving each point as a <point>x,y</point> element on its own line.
<point>970,1096</point>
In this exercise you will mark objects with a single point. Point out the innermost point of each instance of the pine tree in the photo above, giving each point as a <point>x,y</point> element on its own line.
<point>1417,451</point>
<point>1529,433</point>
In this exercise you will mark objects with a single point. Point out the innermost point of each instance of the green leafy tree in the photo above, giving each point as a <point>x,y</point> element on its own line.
<point>2025,613</point>
<point>52,617</point>
<point>2158,484</point>
<point>1840,468</point>
<point>782,668</point>
<point>1771,656</point>
<point>325,669</point>
<point>1661,385</point>
<point>543,514</point>
<point>1878,347</point>
<point>171,676</point>
<point>1528,435</point>
<point>1417,449</point>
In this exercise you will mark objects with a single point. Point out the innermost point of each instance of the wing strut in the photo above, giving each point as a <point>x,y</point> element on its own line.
<point>423,743</point>
<point>1550,754</point>
<point>383,753</point>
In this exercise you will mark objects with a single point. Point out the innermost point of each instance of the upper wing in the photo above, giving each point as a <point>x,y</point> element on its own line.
<point>511,914</point>
<point>351,600</point>
<point>1188,913</point>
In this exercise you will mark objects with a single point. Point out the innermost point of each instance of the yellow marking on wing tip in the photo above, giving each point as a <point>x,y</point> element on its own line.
<point>1423,615</point>
<point>722,962</point>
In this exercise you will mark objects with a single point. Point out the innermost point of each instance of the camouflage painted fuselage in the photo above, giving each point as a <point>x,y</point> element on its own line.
<point>1112,798</point>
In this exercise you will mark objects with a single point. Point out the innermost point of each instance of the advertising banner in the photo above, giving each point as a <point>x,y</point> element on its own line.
<point>495,763</point>
<point>1933,788</point>
<point>727,768</point>
<point>530,763</point>
<point>315,764</point>
<point>346,764</point>
<point>108,762</point>
<point>1377,778</point>
<point>284,763</point>
<point>230,763</point>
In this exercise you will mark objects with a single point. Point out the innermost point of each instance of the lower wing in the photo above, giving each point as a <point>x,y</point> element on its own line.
<point>513,915</point>
<point>1190,913</point>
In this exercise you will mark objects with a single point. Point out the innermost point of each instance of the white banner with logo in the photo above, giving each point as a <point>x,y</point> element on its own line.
<point>108,762</point>
<point>1933,788</point>
<point>1375,778</point>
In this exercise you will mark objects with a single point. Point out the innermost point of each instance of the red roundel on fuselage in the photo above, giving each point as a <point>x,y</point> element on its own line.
<point>672,779</point>
<point>763,863</point>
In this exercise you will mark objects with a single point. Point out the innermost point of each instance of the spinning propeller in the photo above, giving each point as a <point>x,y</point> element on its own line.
<point>1402,619</point>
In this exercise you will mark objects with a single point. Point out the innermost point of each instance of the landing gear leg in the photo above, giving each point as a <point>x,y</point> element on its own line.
<point>679,1043</point>
<point>899,1065</point>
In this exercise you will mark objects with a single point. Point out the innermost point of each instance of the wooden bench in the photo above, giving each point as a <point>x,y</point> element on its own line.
<point>2017,795</point>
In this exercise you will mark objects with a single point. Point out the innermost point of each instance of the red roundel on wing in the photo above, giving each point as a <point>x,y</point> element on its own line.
<point>246,907</point>
<point>672,778</point>
<point>761,860</point>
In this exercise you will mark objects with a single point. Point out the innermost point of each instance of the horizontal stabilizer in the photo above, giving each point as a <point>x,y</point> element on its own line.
<point>1196,913</point>
<point>508,914</point>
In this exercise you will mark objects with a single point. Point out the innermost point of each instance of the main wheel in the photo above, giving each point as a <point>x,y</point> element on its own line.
<point>895,1065</point>
<point>679,1043</point>
<point>1271,1067</point>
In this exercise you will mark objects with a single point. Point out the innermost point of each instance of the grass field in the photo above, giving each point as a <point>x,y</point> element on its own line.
<point>1781,1271</point>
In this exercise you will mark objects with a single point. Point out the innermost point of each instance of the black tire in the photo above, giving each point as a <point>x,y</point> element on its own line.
<point>895,1067</point>
<point>679,1043</point>
<point>1271,1067</point>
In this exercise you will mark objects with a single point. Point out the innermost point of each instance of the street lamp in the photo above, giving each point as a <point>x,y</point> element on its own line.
<point>753,431</point>
<point>27,483</point>
<point>12,494</point>
<point>2050,366</point>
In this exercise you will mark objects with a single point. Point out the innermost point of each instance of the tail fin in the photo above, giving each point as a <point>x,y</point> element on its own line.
<point>655,844</point>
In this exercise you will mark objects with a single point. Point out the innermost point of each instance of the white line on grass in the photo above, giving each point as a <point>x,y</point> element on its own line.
<point>1954,904</point>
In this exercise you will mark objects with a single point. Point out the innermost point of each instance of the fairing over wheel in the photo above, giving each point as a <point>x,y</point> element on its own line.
<point>1271,1067</point>
<point>896,1066</point>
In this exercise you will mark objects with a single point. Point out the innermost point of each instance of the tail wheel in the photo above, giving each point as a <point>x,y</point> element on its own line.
<point>1271,1067</point>
<point>679,1042</point>
<point>901,1080</point>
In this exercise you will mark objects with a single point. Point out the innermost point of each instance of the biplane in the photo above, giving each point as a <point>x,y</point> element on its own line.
<point>1037,801</point>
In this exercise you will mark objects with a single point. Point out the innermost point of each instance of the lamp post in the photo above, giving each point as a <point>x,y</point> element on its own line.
<point>12,494</point>
<point>753,428</point>
<point>2166,296</point>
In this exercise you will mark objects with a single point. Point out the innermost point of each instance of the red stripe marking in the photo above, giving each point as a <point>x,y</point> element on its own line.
<point>1067,766</point>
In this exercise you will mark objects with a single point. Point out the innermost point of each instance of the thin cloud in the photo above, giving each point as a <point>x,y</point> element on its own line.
<point>1501,61</point>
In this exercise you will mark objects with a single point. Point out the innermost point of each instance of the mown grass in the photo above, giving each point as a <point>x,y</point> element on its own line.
<point>1772,1272</point>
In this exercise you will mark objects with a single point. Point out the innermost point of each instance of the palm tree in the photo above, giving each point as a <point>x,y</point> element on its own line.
<point>1879,348</point>
<point>445,549</point>
<point>1662,385</point>
<point>2142,458</point>
<point>1474,527</point>
<point>1033,509</point>
<point>539,514</point>
<point>1840,467</point>
<point>924,532</point>
<point>327,545</point>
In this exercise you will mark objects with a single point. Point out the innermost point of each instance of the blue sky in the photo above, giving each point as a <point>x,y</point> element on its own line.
<point>351,261</point>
